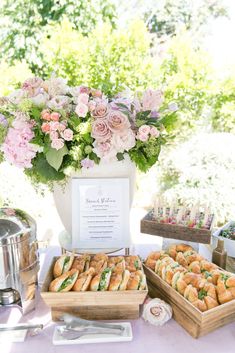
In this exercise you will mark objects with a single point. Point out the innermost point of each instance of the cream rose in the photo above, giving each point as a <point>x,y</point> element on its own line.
<point>124,142</point>
<point>117,121</point>
<point>100,130</point>
<point>101,109</point>
<point>157,312</point>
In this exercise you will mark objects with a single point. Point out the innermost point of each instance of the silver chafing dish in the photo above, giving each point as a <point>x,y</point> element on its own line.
<point>19,261</point>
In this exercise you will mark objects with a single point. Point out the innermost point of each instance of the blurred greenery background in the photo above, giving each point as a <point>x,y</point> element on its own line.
<point>134,44</point>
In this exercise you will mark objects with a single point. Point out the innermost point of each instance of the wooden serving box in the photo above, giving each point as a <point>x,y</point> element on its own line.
<point>107,305</point>
<point>195,322</point>
<point>149,225</point>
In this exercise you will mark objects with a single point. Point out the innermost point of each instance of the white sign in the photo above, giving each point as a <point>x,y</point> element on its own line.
<point>100,213</point>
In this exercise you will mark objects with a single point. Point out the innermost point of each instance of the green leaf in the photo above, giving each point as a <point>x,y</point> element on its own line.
<point>45,171</point>
<point>94,157</point>
<point>120,156</point>
<point>121,105</point>
<point>55,158</point>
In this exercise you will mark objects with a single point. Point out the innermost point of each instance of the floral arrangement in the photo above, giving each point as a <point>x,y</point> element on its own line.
<point>51,129</point>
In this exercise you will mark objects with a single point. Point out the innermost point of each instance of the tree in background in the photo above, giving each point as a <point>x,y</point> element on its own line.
<point>23,23</point>
<point>107,59</point>
<point>167,17</point>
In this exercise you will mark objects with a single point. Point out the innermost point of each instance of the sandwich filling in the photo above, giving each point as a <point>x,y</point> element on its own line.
<point>104,279</point>
<point>69,280</point>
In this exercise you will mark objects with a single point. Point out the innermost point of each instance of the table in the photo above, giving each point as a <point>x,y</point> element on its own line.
<point>147,338</point>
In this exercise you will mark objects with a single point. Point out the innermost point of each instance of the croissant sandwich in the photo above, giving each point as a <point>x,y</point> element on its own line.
<point>62,265</point>
<point>64,282</point>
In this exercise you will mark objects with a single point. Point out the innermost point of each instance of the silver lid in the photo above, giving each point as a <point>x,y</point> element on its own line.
<point>13,224</point>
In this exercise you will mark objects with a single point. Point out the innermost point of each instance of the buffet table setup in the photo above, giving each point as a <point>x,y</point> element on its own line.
<point>164,338</point>
<point>99,288</point>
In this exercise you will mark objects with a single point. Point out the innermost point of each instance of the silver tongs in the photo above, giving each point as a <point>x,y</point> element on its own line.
<point>76,327</point>
<point>35,328</point>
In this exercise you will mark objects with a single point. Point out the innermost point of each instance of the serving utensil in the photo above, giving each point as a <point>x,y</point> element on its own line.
<point>71,334</point>
<point>78,324</point>
<point>35,328</point>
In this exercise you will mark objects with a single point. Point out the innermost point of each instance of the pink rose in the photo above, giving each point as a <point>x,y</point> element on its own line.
<point>105,150</point>
<point>55,116</point>
<point>57,144</point>
<point>83,98</point>
<point>92,106</point>
<point>81,110</point>
<point>144,130</point>
<point>142,137</point>
<point>55,125</point>
<point>46,115</point>
<point>84,89</point>
<point>87,163</point>
<point>154,131</point>
<point>117,121</point>
<point>62,126</point>
<point>67,134</point>
<point>33,86</point>
<point>100,130</point>
<point>45,127</point>
<point>152,99</point>
<point>96,93</point>
<point>101,109</point>
<point>54,135</point>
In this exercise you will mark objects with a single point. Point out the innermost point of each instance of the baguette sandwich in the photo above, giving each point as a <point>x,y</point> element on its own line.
<point>101,281</point>
<point>119,280</point>
<point>99,262</point>
<point>83,281</point>
<point>62,265</point>
<point>64,282</point>
<point>137,281</point>
<point>81,263</point>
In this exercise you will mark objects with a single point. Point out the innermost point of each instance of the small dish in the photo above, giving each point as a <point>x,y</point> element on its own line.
<point>95,338</point>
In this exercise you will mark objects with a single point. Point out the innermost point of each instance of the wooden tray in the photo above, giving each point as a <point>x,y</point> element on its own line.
<point>107,305</point>
<point>149,225</point>
<point>195,322</point>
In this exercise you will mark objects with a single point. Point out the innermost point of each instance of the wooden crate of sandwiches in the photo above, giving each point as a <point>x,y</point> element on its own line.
<point>201,294</point>
<point>95,287</point>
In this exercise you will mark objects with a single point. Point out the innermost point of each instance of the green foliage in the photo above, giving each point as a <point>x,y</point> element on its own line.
<point>223,105</point>
<point>23,23</point>
<point>55,158</point>
<point>187,74</point>
<point>106,58</point>
<point>43,172</point>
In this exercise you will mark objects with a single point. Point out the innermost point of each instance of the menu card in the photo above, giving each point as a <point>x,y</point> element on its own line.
<point>100,213</point>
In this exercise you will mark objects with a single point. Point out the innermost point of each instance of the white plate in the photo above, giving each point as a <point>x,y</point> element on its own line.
<point>98,338</point>
<point>13,336</point>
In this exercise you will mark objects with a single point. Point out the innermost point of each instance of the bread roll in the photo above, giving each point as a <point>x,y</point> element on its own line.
<point>125,278</point>
<point>62,265</point>
<point>115,281</point>
<point>64,282</point>
<point>83,281</point>
<point>81,263</point>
